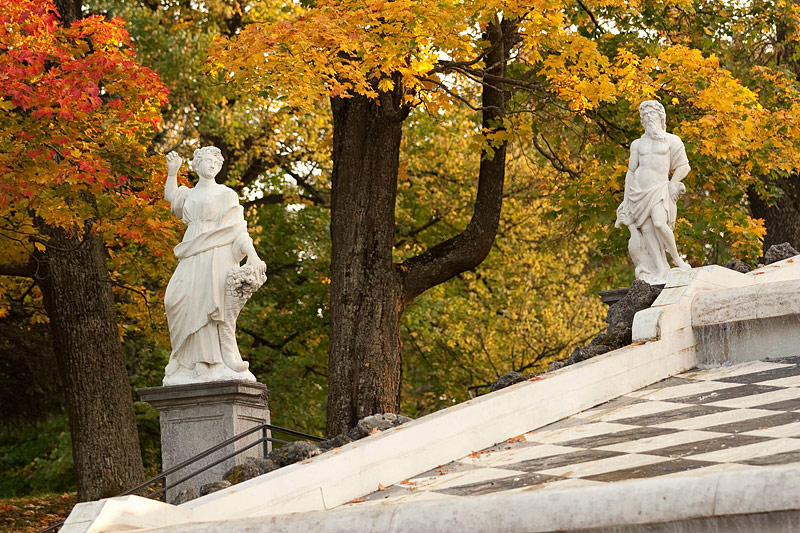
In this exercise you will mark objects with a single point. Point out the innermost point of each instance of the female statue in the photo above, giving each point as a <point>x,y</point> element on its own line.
<point>208,288</point>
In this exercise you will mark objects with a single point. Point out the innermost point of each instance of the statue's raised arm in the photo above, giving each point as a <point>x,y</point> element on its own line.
<point>173,166</point>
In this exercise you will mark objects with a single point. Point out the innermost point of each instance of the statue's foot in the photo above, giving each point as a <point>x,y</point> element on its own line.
<point>683,265</point>
<point>201,369</point>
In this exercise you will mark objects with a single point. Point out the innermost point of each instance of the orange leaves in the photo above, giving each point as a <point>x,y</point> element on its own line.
<point>343,47</point>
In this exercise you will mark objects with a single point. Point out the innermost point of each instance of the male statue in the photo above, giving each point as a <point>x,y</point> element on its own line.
<point>649,206</point>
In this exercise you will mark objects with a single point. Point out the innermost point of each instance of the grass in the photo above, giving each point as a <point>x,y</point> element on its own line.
<point>32,513</point>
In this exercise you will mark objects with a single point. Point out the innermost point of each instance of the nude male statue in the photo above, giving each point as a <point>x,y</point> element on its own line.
<point>649,206</point>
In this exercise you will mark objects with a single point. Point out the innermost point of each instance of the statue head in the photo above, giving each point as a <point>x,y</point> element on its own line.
<point>207,161</point>
<point>653,118</point>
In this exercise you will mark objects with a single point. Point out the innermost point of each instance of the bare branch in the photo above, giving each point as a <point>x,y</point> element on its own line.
<point>26,270</point>
<point>551,156</point>
<point>588,11</point>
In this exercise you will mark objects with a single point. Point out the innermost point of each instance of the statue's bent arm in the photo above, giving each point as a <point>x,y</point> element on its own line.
<point>633,164</point>
<point>680,173</point>
<point>633,161</point>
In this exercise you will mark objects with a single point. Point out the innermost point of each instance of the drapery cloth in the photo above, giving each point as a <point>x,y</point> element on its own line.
<point>216,235</point>
<point>639,202</point>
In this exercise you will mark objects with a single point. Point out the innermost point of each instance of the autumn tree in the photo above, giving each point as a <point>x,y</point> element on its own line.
<point>335,50</point>
<point>277,159</point>
<point>76,110</point>
<point>757,42</point>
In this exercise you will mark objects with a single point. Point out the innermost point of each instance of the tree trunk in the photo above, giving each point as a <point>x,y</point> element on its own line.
<point>70,10</point>
<point>366,290</point>
<point>782,218</point>
<point>79,302</point>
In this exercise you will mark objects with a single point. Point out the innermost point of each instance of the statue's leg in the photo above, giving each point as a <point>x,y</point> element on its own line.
<point>667,238</point>
<point>638,253</point>
<point>654,249</point>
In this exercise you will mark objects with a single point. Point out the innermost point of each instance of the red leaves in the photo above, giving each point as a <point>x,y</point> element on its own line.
<point>79,111</point>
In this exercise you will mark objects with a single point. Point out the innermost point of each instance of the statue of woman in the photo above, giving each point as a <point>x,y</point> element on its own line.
<point>208,288</point>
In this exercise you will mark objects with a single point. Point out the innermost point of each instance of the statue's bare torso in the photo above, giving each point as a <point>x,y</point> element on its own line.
<point>653,161</point>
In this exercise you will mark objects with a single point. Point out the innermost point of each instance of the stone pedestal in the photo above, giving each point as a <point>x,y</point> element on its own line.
<point>199,416</point>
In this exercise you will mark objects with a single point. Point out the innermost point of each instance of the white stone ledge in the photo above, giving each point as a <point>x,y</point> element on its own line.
<point>779,271</point>
<point>753,302</point>
<point>630,503</point>
<point>125,513</point>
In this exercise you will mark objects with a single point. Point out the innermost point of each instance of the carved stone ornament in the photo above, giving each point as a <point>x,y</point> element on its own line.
<point>649,206</point>
<point>209,287</point>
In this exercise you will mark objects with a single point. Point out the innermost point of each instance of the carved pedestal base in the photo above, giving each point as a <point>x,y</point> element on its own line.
<point>198,416</point>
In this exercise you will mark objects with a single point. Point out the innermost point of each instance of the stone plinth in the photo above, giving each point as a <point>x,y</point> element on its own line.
<point>199,416</point>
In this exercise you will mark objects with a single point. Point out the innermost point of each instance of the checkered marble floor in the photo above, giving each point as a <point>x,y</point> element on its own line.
<point>727,417</point>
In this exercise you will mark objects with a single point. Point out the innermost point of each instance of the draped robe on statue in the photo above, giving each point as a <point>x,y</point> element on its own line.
<point>639,202</point>
<point>637,207</point>
<point>213,244</point>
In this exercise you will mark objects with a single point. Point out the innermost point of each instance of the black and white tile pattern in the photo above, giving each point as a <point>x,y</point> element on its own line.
<point>728,417</point>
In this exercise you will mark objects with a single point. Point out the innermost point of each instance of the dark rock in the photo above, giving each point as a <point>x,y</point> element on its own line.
<point>619,318</point>
<point>402,419</point>
<point>335,442</point>
<point>587,352</point>
<point>185,496</point>
<point>640,296</point>
<point>506,380</point>
<point>252,467</point>
<point>208,488</point>
<point>617,335</point>
<point>265,465</point>
<point>779,252</point>
<point>738,266</point>
<point>367,425</point>
<point>293,453</point>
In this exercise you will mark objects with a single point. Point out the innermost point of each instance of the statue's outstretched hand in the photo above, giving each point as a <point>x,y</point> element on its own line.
<point>258,264</point>
<point>173,163</point>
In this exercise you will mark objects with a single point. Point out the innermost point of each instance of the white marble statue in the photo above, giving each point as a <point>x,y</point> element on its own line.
<point>649,206</point>
<point>208,288</point>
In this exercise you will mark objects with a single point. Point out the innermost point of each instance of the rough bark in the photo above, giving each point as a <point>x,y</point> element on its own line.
<point>79,302</point>
<point>70,10</point>
<point>368,291</point>
<point>782,217</point>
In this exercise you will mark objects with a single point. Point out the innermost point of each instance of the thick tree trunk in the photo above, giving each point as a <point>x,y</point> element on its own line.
<point>366,291</point>
<point>782,218</point>
<point>79,301</point>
